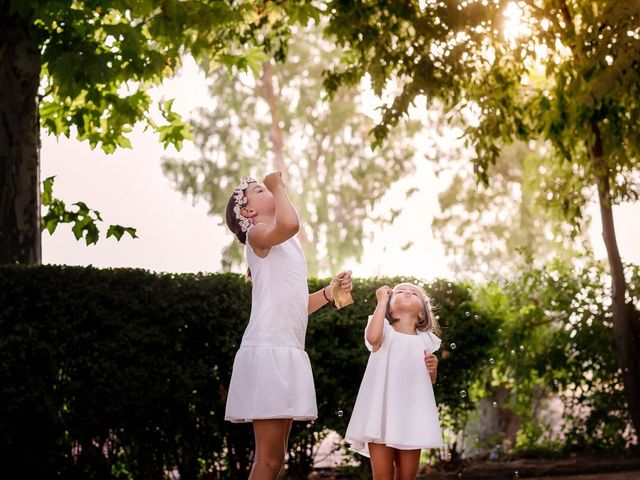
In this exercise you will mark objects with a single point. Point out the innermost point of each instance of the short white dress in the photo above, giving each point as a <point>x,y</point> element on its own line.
<point>271,375</point>
<point>395,404</point>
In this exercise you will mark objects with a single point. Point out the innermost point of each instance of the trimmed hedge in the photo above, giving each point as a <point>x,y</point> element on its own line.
<point>122,373</point>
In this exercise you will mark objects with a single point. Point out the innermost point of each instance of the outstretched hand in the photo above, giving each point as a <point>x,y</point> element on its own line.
<point>343,282</point>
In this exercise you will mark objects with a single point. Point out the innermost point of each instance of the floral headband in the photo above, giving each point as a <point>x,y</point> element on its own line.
<point>240,200</point>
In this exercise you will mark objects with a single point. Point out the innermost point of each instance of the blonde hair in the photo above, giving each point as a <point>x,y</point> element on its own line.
<point>427,321</point>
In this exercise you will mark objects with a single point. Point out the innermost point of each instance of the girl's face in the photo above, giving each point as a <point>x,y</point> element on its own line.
<point>406,298</point>
<point>260,199</point>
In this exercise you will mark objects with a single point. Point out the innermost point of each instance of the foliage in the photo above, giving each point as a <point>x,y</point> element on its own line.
<point>98,59</point>
<point>123,373</point>
<point>278,118</point>
<point>83,218</point>
<point>563,72</point>
<point>556,340</point>
<point>490,231</point>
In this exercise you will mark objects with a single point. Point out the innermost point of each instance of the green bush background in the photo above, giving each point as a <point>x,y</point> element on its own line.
<point>122,373</point>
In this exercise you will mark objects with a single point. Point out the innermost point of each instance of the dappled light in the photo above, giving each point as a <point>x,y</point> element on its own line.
<point>398,239</point>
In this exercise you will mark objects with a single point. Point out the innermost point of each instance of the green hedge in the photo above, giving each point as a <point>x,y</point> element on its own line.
<point>122,373</point>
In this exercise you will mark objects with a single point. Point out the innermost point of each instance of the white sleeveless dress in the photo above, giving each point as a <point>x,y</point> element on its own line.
<point>395,404</point>
<point>271,375</point>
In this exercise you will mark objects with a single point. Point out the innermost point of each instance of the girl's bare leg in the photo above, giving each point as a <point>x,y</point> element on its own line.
<point>271,439</point>
<point>381,461</point>
<point>407,464</point>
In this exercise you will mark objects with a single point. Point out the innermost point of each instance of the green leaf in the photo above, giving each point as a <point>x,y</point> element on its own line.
<point>118,231</point>
<point>47,191</point>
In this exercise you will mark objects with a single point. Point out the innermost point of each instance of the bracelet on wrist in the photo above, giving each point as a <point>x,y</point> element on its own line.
<point>325,294</point>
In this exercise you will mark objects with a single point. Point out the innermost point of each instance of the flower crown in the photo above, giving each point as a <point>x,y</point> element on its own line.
<point>240,201</point>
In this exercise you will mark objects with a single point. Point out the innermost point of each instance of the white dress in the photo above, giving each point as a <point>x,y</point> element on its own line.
<point>395,404</point>
<point>271,375</point>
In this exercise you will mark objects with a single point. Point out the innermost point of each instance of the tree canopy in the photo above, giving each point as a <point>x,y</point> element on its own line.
<point>564,72</point>
<point>84,68</point>
<point>280,119</point>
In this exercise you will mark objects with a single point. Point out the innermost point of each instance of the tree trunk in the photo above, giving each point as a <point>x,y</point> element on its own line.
<point>625,318</point>
<point>19,142</point>
<point>271,97</point>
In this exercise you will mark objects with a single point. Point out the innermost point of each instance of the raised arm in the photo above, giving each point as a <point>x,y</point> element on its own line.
<point>263,236</point>
<point>376,325</point>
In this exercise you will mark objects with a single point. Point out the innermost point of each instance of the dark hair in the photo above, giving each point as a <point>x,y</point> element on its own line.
<point>233,223</point>
<point>427,321</point>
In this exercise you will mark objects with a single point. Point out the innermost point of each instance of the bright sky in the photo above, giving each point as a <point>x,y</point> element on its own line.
<point>129,188</point>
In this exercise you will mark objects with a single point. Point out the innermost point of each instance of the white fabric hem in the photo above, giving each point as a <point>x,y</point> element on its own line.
<point>361,445</point>
<point>295,418</point>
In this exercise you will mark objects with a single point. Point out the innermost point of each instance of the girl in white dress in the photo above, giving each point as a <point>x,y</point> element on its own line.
<point>395,414</point>
<point>271,382</point>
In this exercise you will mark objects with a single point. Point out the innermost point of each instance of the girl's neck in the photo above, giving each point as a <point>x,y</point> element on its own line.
<point>405,324</point>
<point>264,218</point>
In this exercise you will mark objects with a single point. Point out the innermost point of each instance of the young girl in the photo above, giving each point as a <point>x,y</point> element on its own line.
<point>395,413</point>
<point>271,383</point>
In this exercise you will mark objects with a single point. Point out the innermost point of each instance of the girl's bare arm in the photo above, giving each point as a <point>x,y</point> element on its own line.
<point>376,325</point>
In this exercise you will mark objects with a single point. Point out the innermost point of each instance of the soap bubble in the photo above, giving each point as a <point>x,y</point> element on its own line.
<point>453,346</point>
<point>463,393</point>
<point>340,413</point>
<point>491,361</point>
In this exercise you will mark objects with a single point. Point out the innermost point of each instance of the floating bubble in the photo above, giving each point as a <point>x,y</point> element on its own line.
<point>453,346</point>
<point>340,413</point>
<point>516,474</point>
<point>463,393</point>
<point>491,361</point>
<point>467,313</point>
<point>476,317</point>
<point>499,330</point>
<point>521,348</point>
<point>513,352</point>
<point>495,404</point>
